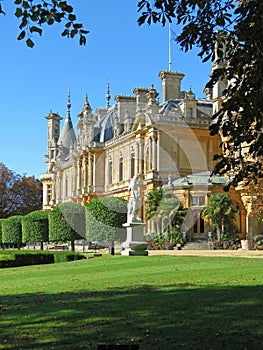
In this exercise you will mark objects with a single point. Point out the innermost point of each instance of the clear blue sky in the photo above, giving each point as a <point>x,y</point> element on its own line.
<point>35,81</point>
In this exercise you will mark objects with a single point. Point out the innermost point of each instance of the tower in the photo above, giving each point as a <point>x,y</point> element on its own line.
<point>53,137</point>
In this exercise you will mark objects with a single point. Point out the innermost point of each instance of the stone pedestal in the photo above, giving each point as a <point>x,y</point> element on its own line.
<point>135,243</point>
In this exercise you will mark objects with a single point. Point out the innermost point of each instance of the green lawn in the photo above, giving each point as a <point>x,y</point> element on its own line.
<point>158,302</point>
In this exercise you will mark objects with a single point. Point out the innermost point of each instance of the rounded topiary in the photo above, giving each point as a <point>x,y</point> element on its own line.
<point>12,230</point>
<point>35,227</point>
<point>105,218</point>
<point>67,223</point>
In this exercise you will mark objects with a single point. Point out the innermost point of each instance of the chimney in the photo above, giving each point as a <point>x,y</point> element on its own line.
<point>171,85</point>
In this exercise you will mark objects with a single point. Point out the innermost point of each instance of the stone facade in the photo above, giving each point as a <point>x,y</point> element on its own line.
<point>161,142</point>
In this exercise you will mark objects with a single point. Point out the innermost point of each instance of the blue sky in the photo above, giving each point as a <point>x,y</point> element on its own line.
<point>35,81</point>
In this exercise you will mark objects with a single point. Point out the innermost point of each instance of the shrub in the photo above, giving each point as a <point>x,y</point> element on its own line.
<point>105,218</point>
<point>35,227</point>
<point>67,223</point>
<point>21,258</point>
<point>12,230</point>
<point>258,242</point>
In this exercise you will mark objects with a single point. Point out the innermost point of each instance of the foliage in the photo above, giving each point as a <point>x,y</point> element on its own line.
<point>105,218</point>
<point>166,209</point>
<point>220,210</point>
<point>230,241</point>
<point>164,240</point>
<point>258,242</point>
<point>34,14</point>
<point>229,32</point>
<point>67,223</point>
<point>12,230</point>
<point>152,202</point>
<point>19,195</point>
<point>254,191</point>
<point>35,227</point>
<point>14,258</point>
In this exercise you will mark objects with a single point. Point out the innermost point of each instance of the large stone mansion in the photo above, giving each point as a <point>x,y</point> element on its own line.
<point>167,143</point>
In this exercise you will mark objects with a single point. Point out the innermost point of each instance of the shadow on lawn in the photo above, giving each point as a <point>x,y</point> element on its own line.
<point>181,317</point>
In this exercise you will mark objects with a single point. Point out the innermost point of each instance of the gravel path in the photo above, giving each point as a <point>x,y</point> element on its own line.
<point>215,253</point>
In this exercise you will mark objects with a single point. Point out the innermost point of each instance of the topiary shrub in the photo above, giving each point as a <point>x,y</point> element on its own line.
<point>35,227</point>
<point>12,231</point>
<point>105,218</point>
<point>67,223</point>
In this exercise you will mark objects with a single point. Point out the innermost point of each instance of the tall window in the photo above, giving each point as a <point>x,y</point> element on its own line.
<point>132,164</point>
<point>49,189</point>
<point>147,159</point>
<point>110,172</point>
<point>66,186</point>
<point>121,168</point>
<point>190,113</point>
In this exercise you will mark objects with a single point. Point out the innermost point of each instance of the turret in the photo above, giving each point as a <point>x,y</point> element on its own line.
<point>53,136</point>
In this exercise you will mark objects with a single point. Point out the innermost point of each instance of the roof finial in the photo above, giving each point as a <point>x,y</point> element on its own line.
<point>68,104</point>
<point>108,96</point>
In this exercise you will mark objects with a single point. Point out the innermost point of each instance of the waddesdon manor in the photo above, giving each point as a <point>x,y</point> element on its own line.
<point>167,143</point>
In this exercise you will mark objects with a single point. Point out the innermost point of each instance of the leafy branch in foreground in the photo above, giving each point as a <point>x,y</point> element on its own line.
<point>229,33</point>
<point>34,14</point>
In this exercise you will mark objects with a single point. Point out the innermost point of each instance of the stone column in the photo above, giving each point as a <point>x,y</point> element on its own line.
<point>85,175</point>
<point>91,170</point>
<point>79,177</point>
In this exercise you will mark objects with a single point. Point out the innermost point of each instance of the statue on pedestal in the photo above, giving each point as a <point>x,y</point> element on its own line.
<point>134,203</point>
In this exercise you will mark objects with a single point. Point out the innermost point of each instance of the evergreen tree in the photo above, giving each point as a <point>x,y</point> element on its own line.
<point>220,210</point>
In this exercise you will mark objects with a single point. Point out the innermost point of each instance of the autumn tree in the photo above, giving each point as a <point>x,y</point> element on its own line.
<point>34,14</point>
<point>230,33</point>
<point>19,195</point>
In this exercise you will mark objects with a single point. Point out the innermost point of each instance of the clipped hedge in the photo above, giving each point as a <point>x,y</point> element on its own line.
<point>67,223</point>
<point>12,230</point>
<point>105,218</point>
<point>9,258</point>
<point>35,227</point>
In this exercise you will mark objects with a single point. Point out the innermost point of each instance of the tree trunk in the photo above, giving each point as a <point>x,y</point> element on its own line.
<point>72,245</point>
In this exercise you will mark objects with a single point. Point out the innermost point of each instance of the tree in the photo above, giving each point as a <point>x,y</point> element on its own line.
<point>67,223</point>
<point>152,202</point>
<point>167,211</point>
<point>220,210</point>
<point>105,218</point>
<point>229,32</point>
<point>34,14</point>
<point>35,227</point>
<point>19,195</point>
<point>12,231</point>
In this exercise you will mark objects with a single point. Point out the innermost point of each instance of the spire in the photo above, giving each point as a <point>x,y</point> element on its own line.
<point>68,104</point>
<point>86,103</point>
<point>67,135</point>
<point>108,96</point>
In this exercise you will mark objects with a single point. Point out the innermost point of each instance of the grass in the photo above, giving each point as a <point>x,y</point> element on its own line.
<point>158,302</point>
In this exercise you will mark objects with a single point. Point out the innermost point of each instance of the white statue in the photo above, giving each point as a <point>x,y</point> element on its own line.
<point>134,203</point>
